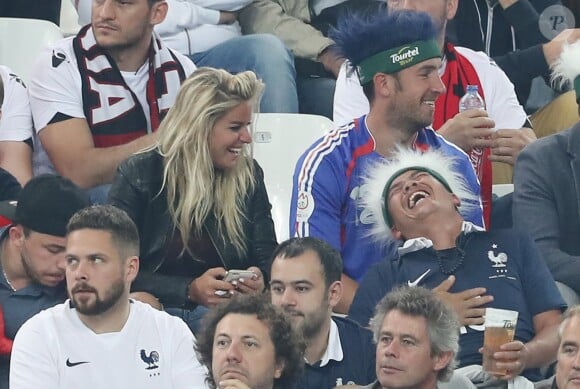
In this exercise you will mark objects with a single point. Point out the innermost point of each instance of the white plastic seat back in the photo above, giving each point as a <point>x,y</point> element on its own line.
<point>279,140</point>
<point>502,189</point>
<point>21,40</point>
<point>69,18</point>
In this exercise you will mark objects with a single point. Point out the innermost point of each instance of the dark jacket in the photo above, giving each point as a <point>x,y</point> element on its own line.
<point>522,63</point>
<point>136,191</point>
<point>546,202</point>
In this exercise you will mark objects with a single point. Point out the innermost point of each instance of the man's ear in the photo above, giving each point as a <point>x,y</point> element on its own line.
<point>382,85</point>
<point>16,234</point>
<point>131,268</point>
<point>158,12</point>
<point>280,364</point>
<point>456,200</point>
<point>441,361</point>
<point>334,293</point>
<point>396,233</point>
<point>451,9</point>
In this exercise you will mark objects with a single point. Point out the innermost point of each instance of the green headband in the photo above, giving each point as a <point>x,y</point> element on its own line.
<point>577,88</point>
<point>399,58</point>
<point>385,196</point>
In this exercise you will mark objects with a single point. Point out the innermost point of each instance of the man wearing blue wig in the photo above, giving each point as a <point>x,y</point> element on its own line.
<point>402,70</point>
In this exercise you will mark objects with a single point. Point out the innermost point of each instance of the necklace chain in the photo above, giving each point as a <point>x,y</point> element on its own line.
<point>454,256</point>
<point>2,264</point>
<point>7,280</point>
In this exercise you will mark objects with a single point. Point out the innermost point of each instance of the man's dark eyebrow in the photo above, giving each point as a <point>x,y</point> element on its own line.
<point>55,246</point>
<point>569,343</point>
<point>428,67</point>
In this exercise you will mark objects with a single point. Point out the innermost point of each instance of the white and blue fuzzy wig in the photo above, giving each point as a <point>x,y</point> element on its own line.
<point>566,69</point>
<point>380,176</point>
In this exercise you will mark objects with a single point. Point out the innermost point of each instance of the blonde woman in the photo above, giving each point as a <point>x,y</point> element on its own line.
<point>198,198</point>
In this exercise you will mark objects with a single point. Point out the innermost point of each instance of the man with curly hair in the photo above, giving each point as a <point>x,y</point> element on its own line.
<point>247,343</point>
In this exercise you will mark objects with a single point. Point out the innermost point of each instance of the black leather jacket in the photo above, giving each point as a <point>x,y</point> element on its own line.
<point>136,191</point>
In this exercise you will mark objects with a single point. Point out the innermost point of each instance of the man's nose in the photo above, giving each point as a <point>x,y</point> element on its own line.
<point>438,86</point>
<point>392,349</point>
<point>81,271</point>
<point>409,185</point>
<point>234,352</point>
<point>106,10</point>
<point>288,298</point>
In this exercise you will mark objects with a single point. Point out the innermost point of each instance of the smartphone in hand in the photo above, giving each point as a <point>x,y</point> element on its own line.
<point>234,275</point>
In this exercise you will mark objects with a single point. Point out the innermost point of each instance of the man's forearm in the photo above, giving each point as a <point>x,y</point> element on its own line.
<point>97,166</point>
<point>542,349</point>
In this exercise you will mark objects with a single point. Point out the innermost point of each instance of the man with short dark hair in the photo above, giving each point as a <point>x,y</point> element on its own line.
<point>496,133</point>
<point>416,336</point>
<point>305,282</point>
<point>98,97</point>
<point>100,338</point>
<point>32,251</point>
<point>328,190</point>
<point>247,343</point>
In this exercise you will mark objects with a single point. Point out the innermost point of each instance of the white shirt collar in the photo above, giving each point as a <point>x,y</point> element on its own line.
<point>417,244</point>
<point>334,348</point>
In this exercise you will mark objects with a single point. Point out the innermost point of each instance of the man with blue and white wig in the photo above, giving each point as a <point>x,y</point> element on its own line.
<point>396,57</point>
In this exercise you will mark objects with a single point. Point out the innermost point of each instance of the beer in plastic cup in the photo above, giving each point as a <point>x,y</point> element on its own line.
<point>500,327</point>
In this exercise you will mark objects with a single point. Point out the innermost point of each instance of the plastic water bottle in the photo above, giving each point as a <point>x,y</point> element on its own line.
<point>471,99</point>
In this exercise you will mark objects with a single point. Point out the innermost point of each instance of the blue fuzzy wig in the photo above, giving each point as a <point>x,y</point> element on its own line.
<point>359,36</point>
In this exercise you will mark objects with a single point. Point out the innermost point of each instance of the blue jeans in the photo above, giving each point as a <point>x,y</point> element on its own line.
<point>266,56</point>
<point>316,95</point>
<point>99,194</point>
<point>191,317</point>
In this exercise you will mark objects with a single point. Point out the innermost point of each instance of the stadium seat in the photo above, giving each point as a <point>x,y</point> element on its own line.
<point>279,140</point>
<point>500,190</point>
<point>21,40</point>
<point>69,17</point>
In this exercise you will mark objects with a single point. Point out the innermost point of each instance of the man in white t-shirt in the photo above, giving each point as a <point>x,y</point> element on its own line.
<point>208,32</point>
<point>15,126</point>
<point>98,97</point>
<point>473,130</point>
<point>100,338</point>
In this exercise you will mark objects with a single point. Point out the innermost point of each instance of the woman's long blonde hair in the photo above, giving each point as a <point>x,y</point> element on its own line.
<point>194,187</point>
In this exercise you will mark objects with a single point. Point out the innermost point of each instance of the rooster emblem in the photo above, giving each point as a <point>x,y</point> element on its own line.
<point>150,359</point>
<point>498,260</point>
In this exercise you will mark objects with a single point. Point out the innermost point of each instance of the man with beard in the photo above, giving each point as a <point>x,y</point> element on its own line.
<point>100,338</point>
<point>306,284</point>
<point>491,135</point>
<point>401,72</point>
<point>32,251</point>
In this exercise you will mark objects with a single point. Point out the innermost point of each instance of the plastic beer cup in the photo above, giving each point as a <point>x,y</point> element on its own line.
<point>500,327</point>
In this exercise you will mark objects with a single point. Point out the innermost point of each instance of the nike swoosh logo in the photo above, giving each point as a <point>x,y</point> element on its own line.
<point>416,282</point>
<point>72,364</point>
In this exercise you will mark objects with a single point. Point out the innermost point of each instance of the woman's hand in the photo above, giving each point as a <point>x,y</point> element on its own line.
<point>209,289</point>
<point>251,285</point>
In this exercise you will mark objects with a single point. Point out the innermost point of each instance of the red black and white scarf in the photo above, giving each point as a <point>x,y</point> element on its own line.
<point>112,109</point>
<point>459,72</point>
